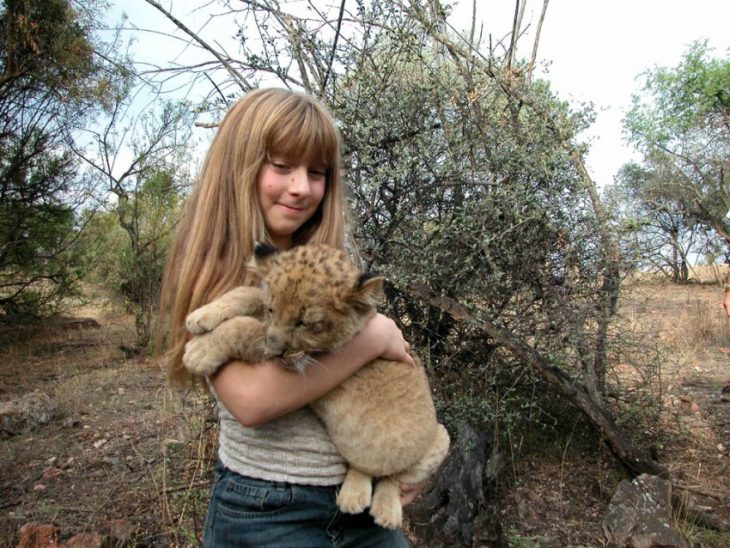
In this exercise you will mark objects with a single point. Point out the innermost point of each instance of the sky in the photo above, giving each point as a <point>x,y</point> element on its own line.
<point>597,49</point>
<point>590,50</point>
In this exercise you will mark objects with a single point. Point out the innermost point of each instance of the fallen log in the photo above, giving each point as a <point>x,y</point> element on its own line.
<point>626,452</point>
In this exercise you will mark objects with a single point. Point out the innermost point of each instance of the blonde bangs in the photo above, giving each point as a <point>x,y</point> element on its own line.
<point>305,134</point>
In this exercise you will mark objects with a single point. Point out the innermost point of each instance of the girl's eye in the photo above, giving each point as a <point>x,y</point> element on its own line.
<point>280,166</point>
<point>319,173</point>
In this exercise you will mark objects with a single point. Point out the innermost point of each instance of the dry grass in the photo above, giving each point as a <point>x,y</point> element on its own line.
<point>122,447</point>
<point>693,334</point>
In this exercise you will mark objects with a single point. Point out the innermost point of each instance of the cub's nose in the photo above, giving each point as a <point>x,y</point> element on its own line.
<point>274,345</point>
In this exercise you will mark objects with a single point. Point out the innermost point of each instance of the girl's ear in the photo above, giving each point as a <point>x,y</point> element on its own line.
<point>262,255</point>
<point>367,292</point>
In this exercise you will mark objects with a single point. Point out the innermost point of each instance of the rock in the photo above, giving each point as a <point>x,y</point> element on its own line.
<point>639,515</point>
<point>531,508</point>
<point>79,323</point>
<point>85,540</point>
<point>38,535</point>
<point>25,413</point>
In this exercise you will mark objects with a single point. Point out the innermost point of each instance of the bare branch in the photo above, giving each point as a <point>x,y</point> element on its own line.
<point>334,46</point>
<point>624,450</point>
<point>533,57</point>
<point>244,84</point>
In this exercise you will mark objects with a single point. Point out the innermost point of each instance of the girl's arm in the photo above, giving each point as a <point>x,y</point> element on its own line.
<point>258,393</point>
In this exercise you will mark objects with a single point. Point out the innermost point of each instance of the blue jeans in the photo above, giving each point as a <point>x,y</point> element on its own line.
<point>250,512</point>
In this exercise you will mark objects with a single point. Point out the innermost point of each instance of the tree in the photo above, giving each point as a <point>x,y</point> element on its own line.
<point>681,122</point>
<point>125,248</point>
<point>54,76</point>
<point>659,233</point>
<point>471,196</point>
<point>147,192</point>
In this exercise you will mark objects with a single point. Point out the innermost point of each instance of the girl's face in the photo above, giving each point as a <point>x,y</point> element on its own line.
<point>289,193</point>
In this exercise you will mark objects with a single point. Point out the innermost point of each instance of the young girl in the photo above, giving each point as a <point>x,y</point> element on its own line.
<point>272,174</point>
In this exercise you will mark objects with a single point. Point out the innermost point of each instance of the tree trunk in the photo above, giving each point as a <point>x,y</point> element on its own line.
<point>456,509</point>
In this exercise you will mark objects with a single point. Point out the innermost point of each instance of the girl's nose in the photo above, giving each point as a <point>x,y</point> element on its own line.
<point>299,182</point>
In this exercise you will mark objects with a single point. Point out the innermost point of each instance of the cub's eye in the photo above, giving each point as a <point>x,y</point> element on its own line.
<point>299,324</point>
<point>269,310</point>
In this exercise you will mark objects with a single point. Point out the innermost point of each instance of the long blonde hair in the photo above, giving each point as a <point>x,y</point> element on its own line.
<point>222,217</point>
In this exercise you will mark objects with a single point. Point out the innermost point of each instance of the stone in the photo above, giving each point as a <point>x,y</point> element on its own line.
<point>639,515</point>
<point>38,535</point>
<point>25,413</point>
<point>84,540</point>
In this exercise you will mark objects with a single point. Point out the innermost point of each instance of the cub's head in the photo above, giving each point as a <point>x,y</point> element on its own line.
<point>316,300</point>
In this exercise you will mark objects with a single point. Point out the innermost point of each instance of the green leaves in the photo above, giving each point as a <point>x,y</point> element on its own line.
<point>51,82</point>
<point>681,124</point>
<point>677,101</point>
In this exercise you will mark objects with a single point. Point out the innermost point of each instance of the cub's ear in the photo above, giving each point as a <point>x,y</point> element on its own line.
<point>262,253</point>
<point>368,281</point>
<point>262,250</point>
<point>367,292</point>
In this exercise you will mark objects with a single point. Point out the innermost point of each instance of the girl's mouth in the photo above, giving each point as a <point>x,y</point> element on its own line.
<point>293,209</point>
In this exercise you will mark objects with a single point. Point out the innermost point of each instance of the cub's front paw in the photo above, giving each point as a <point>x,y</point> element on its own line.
<point>200,356</point>
<point>202,320</point>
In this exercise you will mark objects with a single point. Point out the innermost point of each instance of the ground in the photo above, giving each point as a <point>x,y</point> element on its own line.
<point>123,457</point>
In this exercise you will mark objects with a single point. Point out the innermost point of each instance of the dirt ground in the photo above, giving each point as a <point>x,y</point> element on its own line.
<point>123,458</point>
<point>560,499</point>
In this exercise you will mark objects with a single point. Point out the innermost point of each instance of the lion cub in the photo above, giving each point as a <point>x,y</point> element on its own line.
<point>382,419</point>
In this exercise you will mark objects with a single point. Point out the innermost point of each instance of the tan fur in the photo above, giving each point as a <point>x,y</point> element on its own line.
<point>382,419</point>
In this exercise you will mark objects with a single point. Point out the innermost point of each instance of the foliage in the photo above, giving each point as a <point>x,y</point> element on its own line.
<point>36,225</point>
<point>681,124</point>
<point>51,82</point>
<point>134,235</point>
<point>460,189</point>
<point>470,192</point>
<point>658,232</point>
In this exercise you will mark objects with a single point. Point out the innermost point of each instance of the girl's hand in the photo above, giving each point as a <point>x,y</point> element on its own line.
<point>409,492</point>
<point>384,334</point>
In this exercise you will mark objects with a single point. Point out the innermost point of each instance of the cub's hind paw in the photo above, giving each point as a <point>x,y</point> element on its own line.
<point>356,492</point>
<point>353,499</point>
<point>386,509</point>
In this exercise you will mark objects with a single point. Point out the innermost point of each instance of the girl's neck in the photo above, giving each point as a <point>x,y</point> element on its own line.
<point>282,242</point>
